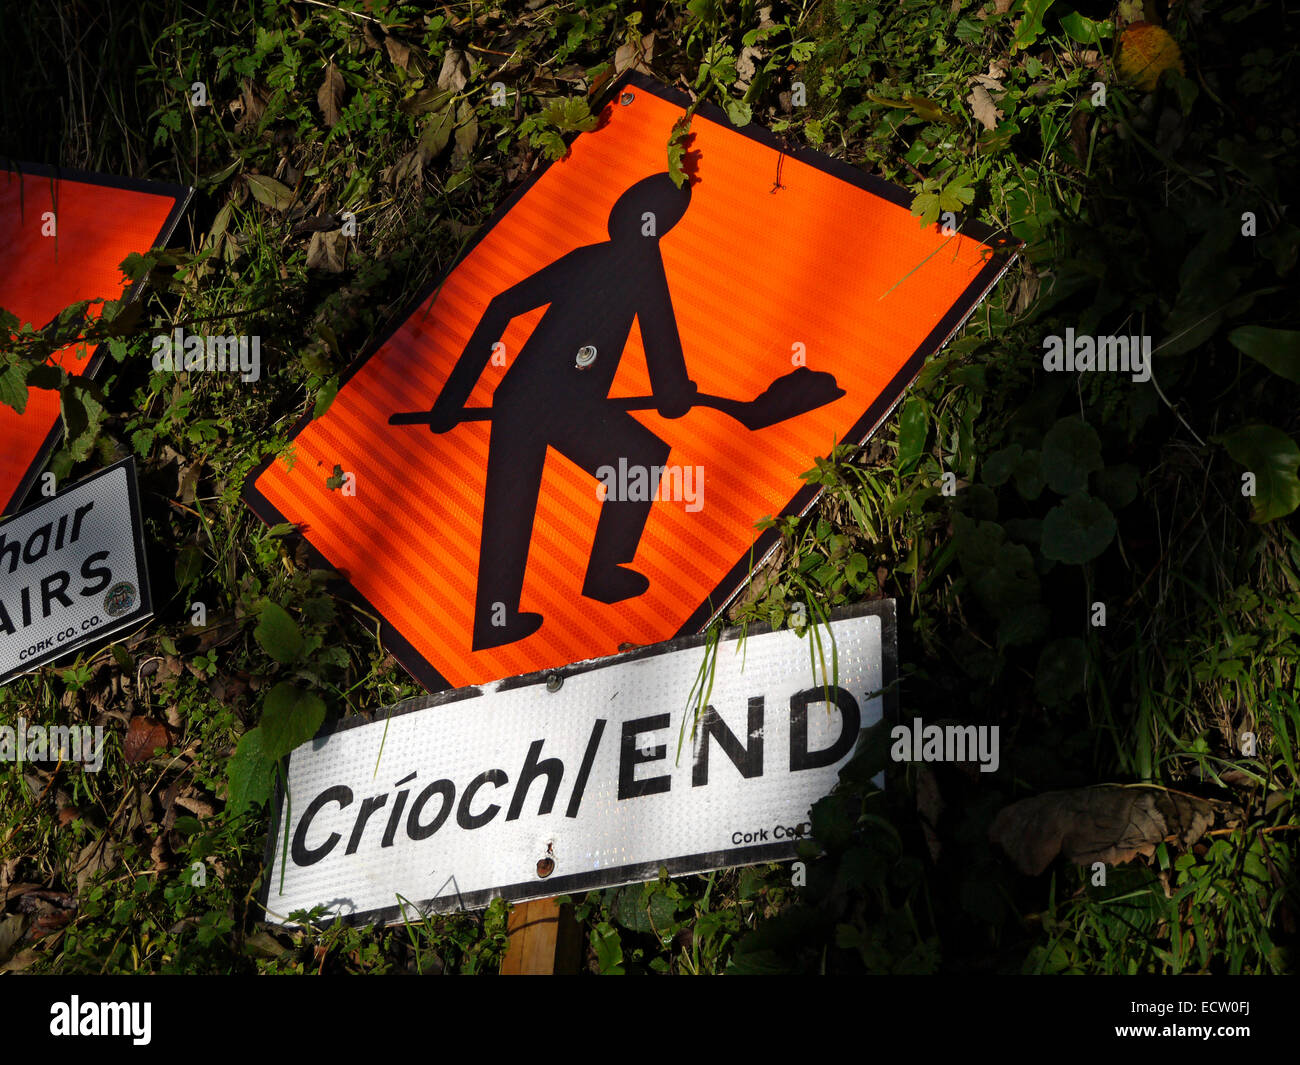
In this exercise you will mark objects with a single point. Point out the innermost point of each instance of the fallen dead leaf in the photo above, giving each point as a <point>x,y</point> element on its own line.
<point>929,804</point>
<point>982,106</point>
<point>196,805</point>
<point>14,891</point>
<point>99,855</point>
<point>11,933</point>
<point>1110,823</point>
<point>407,169</point>
<point>329,97</point>
<point>249,106</point>
<point>635,55</point>
<point>143,737</point>
<point>454,75</point>
<point>327,251</point>
<point>465,136</point>
<point>398,52</point>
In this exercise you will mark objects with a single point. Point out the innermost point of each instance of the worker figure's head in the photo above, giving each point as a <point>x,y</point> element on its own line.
<point>648,209</point>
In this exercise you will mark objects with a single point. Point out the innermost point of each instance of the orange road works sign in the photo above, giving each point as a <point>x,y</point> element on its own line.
<point>567,444</point>
<point>62,235</point>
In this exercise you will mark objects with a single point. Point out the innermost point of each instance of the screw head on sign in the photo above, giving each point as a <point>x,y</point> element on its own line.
<point>627,98</point>
<point>586,356</point>
<point>546,867</point>
<point>553,682</point>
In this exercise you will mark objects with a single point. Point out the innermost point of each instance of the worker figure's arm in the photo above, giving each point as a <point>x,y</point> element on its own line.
<point>531,292</point>
<point>673,390</point>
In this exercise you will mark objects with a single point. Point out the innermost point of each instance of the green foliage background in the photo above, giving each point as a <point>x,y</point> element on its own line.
<point>1065,490</point>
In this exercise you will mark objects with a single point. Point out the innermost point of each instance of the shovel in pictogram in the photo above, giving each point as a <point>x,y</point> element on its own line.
<point>787,397</point>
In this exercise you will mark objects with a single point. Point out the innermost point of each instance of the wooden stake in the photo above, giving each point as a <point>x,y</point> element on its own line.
<point>544,940</point>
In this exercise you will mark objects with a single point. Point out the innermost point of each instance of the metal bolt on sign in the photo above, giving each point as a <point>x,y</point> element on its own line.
<point>627,98</point>
<point>553,682</point>
<point>586,356</point>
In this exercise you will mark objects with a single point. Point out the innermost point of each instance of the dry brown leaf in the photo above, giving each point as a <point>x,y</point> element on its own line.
<point>454,75</point>
<point>329,97</point>
<point>1111,824</point>
<point>198,806</point>
<point>635,55</point>
<point>407,168</point>
<point>466,134</point>
<point>398,52</point>
<point>14,891</point>
<point>982,106</point>
<point>100,855</point>
<point>929,804</point>
<point>436,133</point>
<point>327,251</point>
<point>374,37</point>
<point>1001,7</point>
<point>249,107</point>
<point>11,933</point>
<point>21,961</point>
<point>142,738</point>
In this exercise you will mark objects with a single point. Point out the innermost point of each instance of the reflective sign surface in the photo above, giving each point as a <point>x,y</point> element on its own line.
<point>72,570</point>
<point>588,777</point>
<point>567,445</point>
<point>63,234</point>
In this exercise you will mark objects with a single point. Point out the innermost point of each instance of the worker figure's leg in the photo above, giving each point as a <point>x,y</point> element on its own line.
<point>622,521</point>
<point>516,456</point>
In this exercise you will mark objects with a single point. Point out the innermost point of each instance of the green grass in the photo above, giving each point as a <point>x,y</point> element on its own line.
<point>1131,218</point>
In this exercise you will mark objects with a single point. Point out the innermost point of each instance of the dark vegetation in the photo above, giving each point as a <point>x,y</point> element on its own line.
<point>1071,490</point>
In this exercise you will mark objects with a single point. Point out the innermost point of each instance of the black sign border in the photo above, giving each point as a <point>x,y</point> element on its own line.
<point>142,612</point>
<point>181,196</point>
<point>1003,252</point>
<point>885,609</point>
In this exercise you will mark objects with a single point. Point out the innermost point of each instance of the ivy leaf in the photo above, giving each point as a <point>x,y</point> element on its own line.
<point>1077,530</point>
<point>278,633</point>
<point>1274,459</point>
<point>1071,451</point>
<point>1002,574</point>
<point>1118,485</point>
<point>250,776</point>
<point>1000,465</point>
<point>290,717</point>
<point>1278,349</point>
<point>1060,672</point>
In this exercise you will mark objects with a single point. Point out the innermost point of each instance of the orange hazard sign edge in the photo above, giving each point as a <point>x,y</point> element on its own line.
<point>565,446</point>
<point>65,233</point>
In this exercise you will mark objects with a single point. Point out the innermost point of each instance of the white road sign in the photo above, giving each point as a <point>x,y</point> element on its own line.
<point>72,570</point>
<point>570,780</point>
